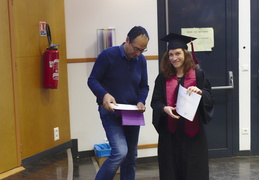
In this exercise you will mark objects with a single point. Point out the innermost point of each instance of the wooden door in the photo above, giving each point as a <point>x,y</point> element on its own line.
<point>8,150</point>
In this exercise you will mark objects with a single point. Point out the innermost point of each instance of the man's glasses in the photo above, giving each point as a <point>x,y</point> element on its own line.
<point>137,49</point>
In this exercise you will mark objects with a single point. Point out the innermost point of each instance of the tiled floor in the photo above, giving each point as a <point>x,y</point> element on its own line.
<point>61,167</point>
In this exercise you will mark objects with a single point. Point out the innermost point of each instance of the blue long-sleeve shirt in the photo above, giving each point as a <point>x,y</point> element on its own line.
<point>126,80</point>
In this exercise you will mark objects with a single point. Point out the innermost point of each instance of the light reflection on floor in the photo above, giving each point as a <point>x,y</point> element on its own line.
<point>61,166</point>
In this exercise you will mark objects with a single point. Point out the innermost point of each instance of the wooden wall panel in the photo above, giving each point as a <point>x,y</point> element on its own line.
<point>8,154</point>
<point>40,110</point>
<point>28,14</point>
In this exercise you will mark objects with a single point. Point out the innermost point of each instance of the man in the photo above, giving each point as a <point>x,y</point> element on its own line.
<point>119,75</point>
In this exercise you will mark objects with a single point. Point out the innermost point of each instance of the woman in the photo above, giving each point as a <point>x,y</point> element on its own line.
<point>182,145</point>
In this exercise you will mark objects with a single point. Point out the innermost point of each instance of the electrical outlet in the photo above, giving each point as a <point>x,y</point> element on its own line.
<point>56,133</point>
<point>245,131</point>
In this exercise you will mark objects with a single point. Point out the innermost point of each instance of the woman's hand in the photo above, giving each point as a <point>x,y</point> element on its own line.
<point>169,110</point>
<point>194,89</point>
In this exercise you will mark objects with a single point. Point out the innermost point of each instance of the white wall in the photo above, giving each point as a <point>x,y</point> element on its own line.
<point>244,76</point>
<point>83,18</point>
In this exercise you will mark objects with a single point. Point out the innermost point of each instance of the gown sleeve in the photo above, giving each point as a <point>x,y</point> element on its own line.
<point>158,101</point>
<point>206,106</point>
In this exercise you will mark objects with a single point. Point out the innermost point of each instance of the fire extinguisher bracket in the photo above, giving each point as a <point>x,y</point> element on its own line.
<point>51,64</point>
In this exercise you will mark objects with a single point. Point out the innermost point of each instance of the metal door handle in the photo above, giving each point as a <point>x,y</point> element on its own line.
<point>230,82</point>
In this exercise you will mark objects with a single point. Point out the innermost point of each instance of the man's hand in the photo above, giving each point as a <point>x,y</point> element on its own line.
<point>141,107</point>
<point>107,99</point>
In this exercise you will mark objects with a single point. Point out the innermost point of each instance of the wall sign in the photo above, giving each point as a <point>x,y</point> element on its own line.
<point>205,38</point>
<point>43,28</point>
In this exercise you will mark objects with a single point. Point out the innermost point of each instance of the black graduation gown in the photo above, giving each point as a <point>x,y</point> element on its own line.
<point>174,149</point>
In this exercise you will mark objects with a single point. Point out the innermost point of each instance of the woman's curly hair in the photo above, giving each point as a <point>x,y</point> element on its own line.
<point>169,70</point>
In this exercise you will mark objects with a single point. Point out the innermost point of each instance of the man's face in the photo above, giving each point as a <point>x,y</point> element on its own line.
<point>136,47</point>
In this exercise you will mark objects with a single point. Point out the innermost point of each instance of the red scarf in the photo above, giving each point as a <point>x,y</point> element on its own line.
<point>191,127</point>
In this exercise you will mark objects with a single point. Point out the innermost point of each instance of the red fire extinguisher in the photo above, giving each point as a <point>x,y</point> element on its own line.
<point>51,64</point>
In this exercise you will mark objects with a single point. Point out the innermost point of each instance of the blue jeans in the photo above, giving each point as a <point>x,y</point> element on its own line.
<point>124,144</point>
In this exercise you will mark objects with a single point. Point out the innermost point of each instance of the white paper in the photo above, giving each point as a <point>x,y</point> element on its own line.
<point>205,38</point>
<point>124,107</point>
<point>187,105</point>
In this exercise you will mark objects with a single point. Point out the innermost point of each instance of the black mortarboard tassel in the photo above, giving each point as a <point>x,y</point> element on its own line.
<point>176,41</point>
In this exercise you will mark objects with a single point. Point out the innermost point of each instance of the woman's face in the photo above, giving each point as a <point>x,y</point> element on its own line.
<point>176,57</point>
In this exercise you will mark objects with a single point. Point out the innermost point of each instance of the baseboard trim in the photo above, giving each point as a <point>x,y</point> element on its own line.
<point>29,160</point>
<point>90,153</point>
<point>11,172</point>
<point>244,153</point>
<point>147,159</point>
<point>83,154</point>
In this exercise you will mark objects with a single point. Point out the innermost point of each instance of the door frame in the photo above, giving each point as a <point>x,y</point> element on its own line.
<point>15,84</point>
<point>254,78</point>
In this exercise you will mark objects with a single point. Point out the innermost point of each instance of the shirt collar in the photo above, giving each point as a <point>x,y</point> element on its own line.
<point>123,53</point>
<point>121,50</point>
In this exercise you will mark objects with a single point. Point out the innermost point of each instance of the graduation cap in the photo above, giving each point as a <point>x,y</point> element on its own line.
<point>176,41</point>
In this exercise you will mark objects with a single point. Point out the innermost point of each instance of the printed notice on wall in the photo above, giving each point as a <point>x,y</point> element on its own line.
<point>205,38</point>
